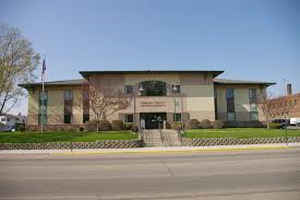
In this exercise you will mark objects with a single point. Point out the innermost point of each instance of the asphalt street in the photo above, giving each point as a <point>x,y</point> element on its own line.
<point>267,174</point>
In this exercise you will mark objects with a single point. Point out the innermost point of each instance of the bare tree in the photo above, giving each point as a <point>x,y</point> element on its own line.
<point>18,61</point>
<point>275,107</point>
<point>266,106</point>
<point>104,100</point>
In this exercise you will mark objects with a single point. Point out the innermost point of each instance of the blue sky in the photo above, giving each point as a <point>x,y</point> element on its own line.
<point>249,39</point>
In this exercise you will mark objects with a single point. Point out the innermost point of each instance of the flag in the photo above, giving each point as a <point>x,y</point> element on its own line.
<point>43,70</point>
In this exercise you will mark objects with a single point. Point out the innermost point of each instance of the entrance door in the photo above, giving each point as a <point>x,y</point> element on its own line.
<point>153,120</point>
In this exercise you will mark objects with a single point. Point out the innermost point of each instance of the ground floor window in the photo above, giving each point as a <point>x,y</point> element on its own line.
<point>128,118</point>
<point>177,117</point>
<point>254,116</point>
<point>85,118</point>
<point>231,116</point>
<point>67,118</point>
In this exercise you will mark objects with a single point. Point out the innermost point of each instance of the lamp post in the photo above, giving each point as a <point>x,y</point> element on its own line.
<point>140,90</point>
<point>174,88</point>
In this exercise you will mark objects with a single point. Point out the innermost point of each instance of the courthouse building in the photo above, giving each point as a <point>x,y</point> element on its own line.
<point>159,95</point>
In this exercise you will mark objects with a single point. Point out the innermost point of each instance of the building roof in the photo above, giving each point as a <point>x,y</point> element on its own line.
<point>87,73</point>
<point>54,83</point>
<point>80,81</point>
<point>241,82</point>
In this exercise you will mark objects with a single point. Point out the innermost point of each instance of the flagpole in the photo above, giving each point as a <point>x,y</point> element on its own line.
<point>43,94</point>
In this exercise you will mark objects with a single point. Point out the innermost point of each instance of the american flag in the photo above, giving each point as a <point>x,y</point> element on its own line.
<point>43,70</point>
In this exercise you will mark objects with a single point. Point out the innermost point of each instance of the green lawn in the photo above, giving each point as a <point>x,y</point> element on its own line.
<point>36,137</point>
<point>239,133</point>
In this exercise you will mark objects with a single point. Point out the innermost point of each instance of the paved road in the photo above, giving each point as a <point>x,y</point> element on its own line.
<point>216,175</point>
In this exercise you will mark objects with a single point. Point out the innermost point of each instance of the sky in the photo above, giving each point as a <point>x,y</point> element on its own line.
<point>248,39</point>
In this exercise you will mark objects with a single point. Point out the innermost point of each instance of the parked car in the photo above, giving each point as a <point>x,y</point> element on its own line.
<point>7,128</point>
<point>283,123</point>
<point>295,121</point>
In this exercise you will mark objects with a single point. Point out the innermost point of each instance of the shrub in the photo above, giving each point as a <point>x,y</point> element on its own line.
<point>218,124</point>
<point>104,125</point>
<point>274,125</point>
<point>20,127</point>
<point>176,125</point>
<point>128,125</point>
<point>205,123</point>
<point>134,128</point>
<point>117,125</point>
<point>193,124</point>
<point>168,125</point>
<point>91,125</point>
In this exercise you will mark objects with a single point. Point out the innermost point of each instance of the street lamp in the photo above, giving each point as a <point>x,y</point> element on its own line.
<point>174,88</point>
<point>140,90</point>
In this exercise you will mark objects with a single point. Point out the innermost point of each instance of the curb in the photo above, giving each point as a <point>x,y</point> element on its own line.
<point>183,149</point>
<point>178,149</point>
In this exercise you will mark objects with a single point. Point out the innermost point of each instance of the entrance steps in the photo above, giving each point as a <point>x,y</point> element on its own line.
<point>161,137</point>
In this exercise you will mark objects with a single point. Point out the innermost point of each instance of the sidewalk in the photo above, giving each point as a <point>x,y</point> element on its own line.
<point>156,149</point>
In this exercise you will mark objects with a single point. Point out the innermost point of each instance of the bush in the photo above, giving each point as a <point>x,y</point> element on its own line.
<point>176,125</point>
<point>128,125</point>
<point>134,128</point>
<point>20,127</point>
<point>274,125</point>
<point>104,125</point>
<point>218,124</point>
<point>205,123</point>
<point>117,125</point>
<point>193,124</point>
<point>91,125</point>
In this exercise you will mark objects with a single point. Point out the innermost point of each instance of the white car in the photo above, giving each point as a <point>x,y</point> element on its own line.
<point>295,121</point>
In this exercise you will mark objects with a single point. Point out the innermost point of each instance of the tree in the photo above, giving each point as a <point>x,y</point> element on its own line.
<point>104,100</point>
<point>18,61</point>
<point>276,107</point>
<point>266,106</point>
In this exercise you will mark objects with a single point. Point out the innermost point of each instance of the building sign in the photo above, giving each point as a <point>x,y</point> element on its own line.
<point>153,104</point>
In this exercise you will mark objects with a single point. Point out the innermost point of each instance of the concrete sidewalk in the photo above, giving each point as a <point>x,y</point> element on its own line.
<point>156,149</point>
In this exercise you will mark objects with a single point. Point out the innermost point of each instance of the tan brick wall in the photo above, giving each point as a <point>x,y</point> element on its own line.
<point>241,101</point>
<point>197,90</point>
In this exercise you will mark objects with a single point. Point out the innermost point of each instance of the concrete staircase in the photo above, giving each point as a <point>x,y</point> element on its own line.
<point>152,137</point>
<point>170,138</point>
<point>163,137</point>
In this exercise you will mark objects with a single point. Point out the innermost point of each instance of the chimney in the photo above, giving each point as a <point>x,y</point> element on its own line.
<point>289,89</point>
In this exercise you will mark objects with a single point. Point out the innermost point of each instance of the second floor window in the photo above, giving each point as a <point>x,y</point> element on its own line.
<point>153,88</point>
<point>68,106</point>
<point>128,89</point>
<point>230,104</point>
<point>176,89</point>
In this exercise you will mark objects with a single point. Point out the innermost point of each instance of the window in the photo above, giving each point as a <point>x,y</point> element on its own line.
<point>253,116</point>
<point>68,105</point>
<point>128,89</point>
<point>252,95</point>
<point>153,88</point>
<point>85,118</point>
<point>230,104</point>
<point>176,89</point>
<point>85,106</point>
<point>231,116</point>
<point>129,118</point>
<point>177,117</point>
<point>43,102</point>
